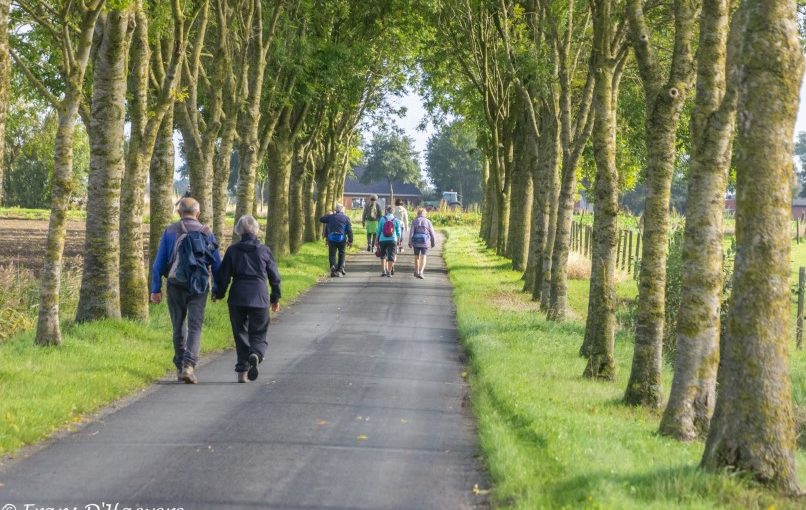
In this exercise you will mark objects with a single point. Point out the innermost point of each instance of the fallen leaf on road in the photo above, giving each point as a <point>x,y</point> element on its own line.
<point>479,492</point>
<point>362,437</point>
<point>323,422</point>
<point>403,421</point>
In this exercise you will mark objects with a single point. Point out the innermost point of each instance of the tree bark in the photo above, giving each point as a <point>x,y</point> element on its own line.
<point>753,427</point>
<point>48,331</point>
<point>521,227</point>
<point>296,218</point>
<point>600,329</point>
<point>691,402</point>
<point>552,160</point>
<point>161,186</point>
<point>280,156</point>
<point>99,297</point>
<point>221,174</point>
<point>5,77</point>
<point>664,102</point>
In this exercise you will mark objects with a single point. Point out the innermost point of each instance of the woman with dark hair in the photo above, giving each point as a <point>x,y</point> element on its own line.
<point>250,265</point>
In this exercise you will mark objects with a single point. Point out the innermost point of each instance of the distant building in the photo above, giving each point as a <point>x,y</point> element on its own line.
<point>356,192</point>
<point>798,206</point>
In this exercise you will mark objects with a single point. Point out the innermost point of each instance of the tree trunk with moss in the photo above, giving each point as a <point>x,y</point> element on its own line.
<point>504,197</point>
<point>297,207</point>
<point>691,402</point>
<point>309,202</point>
<point>146,119</point>
<point>99,297</point>
<point>545,183</point>
<point>753,429</point>
<point>664,95</point>
<point>521,225</point>
<point>280,156</point>
<point>48,331</point>
<point>161,186</point>
<point>600,329</point>
<point>221,174</point>
<point>5,77</point>
<point>538,224</point>
<point>552,162</point>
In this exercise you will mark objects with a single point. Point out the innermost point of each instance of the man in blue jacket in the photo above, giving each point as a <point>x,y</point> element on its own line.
<point>339,234</point>
<point>186,303</point>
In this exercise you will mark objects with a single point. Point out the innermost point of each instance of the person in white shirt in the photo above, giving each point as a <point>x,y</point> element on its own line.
<point>402,215</point>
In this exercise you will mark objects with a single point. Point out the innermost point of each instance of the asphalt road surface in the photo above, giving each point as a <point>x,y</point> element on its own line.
<point>360,403</point>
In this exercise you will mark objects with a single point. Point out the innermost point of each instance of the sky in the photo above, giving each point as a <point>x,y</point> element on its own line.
<point>801,124</point>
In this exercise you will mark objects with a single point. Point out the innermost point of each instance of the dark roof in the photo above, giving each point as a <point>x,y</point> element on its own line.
<point>353,186</point>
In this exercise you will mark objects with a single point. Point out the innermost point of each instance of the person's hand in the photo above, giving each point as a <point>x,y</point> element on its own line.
<point>275,307</point>
<point>156,298</point>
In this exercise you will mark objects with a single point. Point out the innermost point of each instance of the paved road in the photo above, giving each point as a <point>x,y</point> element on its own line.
<point>360,404</point>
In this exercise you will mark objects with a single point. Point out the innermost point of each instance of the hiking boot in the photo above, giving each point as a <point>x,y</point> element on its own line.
<point>343,272</point>
<point>188,375</point>
<point>254,361</point>
<point>333,272</point>
<point>241,377</point>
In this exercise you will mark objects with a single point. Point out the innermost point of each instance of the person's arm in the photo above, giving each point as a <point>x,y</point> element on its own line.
<point>216,264</point>
<point>379,230</point>
<point>364,214</point>
<point>223,276</point>
<point>433,235</point>
<point>349,231</point>
<point>324,219</point>
<point>274,277</point>
<point>161,261</point>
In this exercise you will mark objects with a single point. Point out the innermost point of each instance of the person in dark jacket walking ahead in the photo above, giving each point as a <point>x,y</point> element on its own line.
<point>249,264</point>
<point>339,234</point>
<point>186,303</point>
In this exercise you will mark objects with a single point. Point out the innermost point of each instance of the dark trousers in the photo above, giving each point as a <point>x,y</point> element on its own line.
<point>187,317</point>
<point>334,248</point>
<point>250,328</point>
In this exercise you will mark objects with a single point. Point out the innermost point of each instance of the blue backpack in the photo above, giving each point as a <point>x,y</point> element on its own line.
<point>420,235</point>
<point>193,255</point>
<point>336,237</point>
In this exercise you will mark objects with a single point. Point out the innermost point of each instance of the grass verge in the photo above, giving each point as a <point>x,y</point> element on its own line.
<point>552,439</point>
<point>42,390</point>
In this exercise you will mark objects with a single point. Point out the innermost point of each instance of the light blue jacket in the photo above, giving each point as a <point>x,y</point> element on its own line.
<point>395,236</point>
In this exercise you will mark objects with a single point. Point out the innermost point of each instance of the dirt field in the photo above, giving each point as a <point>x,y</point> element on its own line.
<point>23,242</point>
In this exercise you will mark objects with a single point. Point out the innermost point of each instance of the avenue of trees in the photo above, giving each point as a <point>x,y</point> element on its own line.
<point>552,95</point>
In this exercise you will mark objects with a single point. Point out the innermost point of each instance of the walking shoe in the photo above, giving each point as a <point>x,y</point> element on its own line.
<point>393,272</point>
<point>369,248</point>
<point>420,276</point>
<point>253,363</point>
<point>188,375</point>
<point>343,272</point>
<point>241,377</point>
<point>383,274</point>
<point>178,375</point>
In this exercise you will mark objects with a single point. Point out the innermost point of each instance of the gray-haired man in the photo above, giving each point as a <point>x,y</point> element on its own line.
<point>186,299</point>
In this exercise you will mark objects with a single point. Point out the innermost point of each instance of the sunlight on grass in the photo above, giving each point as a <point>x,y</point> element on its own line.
<point>553,439</point>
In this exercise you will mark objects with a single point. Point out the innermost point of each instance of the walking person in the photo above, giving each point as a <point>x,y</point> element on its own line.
<point>388,234</point>
<point>421,238</point>
<point>402,215</point>
<point>369,219</point>
<point>339,234</point>
<point>187,257</point>
<point>250,265</point>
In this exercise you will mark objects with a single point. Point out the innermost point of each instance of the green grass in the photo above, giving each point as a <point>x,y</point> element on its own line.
<point>552,439</point>
<point>44,389</point>
<point>18,213</point>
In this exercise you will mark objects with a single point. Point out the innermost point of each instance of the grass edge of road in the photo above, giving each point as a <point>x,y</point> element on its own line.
<point>552,439</point>
<point>47,390</point>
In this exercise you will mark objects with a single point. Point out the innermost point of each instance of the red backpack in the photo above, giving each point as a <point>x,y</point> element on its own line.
<point>389,228</point>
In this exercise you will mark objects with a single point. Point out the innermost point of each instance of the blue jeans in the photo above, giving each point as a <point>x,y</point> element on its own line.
<point>187,317</point>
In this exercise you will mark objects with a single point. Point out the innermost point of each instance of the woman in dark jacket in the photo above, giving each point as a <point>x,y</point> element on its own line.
<point>249,264</point>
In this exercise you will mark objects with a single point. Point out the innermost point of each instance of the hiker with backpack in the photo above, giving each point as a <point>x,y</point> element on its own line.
<point>388,233</point>
<point>187,257</point>
<point>402,215</point>
<point>339,234</point>
<point>372,213</point>
<point>421,238</point>
<point>250,265</point>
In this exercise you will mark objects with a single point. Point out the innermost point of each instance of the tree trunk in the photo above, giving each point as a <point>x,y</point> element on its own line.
<point>691,402</point>
<point>521,226</point>
<point>486,206</point>
<point>600,329</point>
<point>5,76</point>
<point>309,202</point>
<point>504,197</point>
<point>47,329</point>
<point>552,199</point>
<point>297,205</point>
<point>161,184</point>
<point>99,297</point>
<point>280,156</point>
<point>664,103</point>
<point>221,174</point>
<point>753,428</point>
<point>538,219</point>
